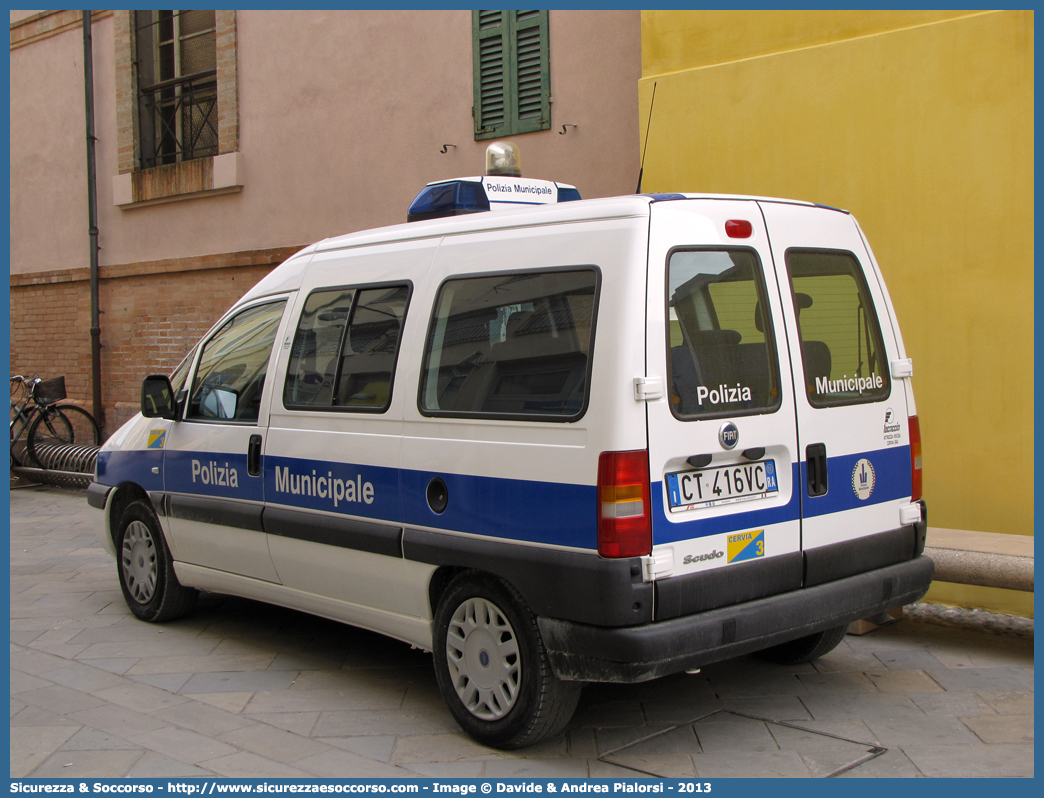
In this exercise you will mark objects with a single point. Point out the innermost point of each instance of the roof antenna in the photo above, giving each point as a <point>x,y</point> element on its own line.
<point>648,126</point>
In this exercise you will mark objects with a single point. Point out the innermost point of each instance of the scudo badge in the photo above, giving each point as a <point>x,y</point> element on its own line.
<point>728,435</point>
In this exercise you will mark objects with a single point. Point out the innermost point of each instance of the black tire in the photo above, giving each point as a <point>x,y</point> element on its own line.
<point>150,586</point>
<point>804,648</point>
<point>512,698</point>
<point>19,433</point>
<point>60,426</point>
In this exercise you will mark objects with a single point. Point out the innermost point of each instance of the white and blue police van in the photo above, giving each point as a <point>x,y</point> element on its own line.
<point>550,440</point>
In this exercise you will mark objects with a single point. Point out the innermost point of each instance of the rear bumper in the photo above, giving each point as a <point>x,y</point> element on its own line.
<point>579,652</point>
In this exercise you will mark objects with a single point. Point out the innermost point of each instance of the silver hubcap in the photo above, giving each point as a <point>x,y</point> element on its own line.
<point>138,560</point>
<point>483,659</point>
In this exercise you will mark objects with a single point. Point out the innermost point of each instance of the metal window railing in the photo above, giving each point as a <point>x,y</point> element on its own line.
<point>178,119</point>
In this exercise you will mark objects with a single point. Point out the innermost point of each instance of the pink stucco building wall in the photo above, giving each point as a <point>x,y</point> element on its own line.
<point>341,115</point>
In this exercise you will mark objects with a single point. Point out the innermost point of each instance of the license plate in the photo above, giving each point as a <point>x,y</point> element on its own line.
<point>709,487</point>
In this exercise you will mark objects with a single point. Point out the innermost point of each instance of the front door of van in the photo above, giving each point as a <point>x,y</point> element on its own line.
<point>852,418</point>
<point>212,460</point>
<point>722,439</point>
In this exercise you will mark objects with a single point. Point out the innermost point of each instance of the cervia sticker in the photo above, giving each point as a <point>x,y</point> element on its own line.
<point>746,545</point>
<point>157,437</point>
<point>863,479</point>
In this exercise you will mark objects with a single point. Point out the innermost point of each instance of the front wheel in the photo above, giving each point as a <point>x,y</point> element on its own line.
<point>150,586</point>
<point>804,648</point>
<point>63,425</point>
<point>492,668</point>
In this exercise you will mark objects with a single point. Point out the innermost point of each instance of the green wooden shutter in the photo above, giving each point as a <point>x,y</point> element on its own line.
<point>511,72</point>
<point>489,47</point>
<point>531,71</point>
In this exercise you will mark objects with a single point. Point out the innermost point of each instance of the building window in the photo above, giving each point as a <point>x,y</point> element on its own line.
<point>511,71</point>
<point>177,86</point>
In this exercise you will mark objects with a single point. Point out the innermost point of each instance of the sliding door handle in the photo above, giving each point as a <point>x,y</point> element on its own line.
<point>254,456</point>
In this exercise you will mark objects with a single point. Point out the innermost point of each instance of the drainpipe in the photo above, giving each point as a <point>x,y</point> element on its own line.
<point>92,204</point>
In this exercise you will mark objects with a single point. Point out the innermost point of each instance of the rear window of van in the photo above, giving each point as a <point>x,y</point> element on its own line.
<point>721,355</point>
<point>843,358</point>
<point>511,345</point>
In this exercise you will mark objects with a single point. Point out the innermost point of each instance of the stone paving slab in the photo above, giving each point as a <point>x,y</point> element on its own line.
<point>240,688</point>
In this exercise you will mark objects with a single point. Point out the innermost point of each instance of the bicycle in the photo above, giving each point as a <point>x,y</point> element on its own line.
<point>35,411</point>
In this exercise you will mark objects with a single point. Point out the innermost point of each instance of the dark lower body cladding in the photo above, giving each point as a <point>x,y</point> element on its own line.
<point>580,652</point>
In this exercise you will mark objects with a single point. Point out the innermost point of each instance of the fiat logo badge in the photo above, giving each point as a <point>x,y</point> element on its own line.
<point>728,435</point>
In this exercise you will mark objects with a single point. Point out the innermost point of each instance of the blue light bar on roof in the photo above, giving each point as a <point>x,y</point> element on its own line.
<point>448,199</point>
<point>493,192</point>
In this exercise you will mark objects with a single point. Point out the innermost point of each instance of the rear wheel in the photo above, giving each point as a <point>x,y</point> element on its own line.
<point>60,426</point>
<point>804,648</point>
<point>150,586</point>
<point>492,668</point>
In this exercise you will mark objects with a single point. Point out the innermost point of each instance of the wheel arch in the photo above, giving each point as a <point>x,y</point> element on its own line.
<point>126,494</point>
<point>440,580</point>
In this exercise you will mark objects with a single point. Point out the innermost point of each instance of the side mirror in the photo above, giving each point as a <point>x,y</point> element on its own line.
<point>157,397</point>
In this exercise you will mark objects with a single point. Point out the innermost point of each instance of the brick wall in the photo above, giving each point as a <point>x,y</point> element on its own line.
<point>152,313</point>
<point>127,151</point>
<point>51,333</point>
<point>227,81</point>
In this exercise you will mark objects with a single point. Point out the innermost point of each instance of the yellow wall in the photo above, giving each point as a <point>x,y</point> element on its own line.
<point>921,124</point>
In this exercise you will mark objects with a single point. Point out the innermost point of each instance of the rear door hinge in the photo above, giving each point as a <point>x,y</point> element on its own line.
<point>658,565</point>
<point>902,368</point>
<point>909,514</point>
<point>646,389</point>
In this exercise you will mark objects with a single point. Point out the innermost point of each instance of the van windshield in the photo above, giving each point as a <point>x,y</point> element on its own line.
<point>721,356</point>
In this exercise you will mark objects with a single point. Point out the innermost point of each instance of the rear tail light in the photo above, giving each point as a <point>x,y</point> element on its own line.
<point>915,457</point>
<point>624,506</point>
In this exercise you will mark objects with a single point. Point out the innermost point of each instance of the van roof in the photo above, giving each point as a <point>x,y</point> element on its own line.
<point>526,216</point>
<point>287,275</point>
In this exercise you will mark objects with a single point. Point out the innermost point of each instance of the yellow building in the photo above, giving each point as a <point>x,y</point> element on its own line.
<point>921,124</point>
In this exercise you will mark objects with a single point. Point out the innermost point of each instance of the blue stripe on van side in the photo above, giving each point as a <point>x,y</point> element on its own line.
<point>511,509</point>
<point>216,474</point>
<point>361,490</point>
<point>516,509</point>
<point>117,467</point>
<point>892,473</point>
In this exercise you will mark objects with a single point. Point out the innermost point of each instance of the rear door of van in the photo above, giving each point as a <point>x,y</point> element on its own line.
<point>853,433</point>
<point>723,446</point>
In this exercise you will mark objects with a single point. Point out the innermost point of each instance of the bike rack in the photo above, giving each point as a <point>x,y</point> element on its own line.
<point>68,465</point>
<point>68,457</point>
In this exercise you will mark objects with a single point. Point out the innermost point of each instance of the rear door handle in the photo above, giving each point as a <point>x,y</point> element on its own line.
<point>816,468</point>
<point>254,456</point>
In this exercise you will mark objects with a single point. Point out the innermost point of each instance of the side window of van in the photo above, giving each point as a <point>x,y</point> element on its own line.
<point>344,352</point>
<point>232,367</point>
<point>513,345</point>
<point>721,356</point>
<point>844,360</point>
